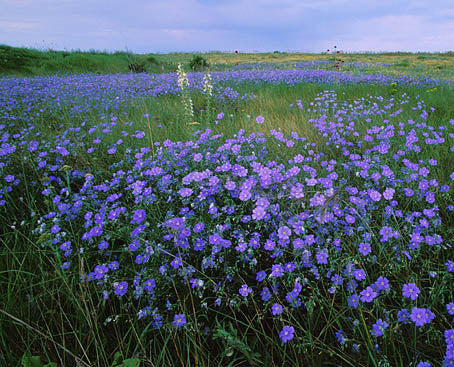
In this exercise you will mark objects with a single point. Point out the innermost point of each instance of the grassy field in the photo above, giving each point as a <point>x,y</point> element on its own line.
<point>30,62</point>
<point>278,211</point>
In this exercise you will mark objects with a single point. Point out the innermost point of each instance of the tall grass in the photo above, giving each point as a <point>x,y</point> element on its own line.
<point>62,317</point>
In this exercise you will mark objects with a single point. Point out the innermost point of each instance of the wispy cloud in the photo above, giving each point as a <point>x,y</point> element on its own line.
<point>202,25</point>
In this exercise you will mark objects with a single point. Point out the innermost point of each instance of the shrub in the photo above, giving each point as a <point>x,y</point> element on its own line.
<point>198,63</point>
<point>137,68</point>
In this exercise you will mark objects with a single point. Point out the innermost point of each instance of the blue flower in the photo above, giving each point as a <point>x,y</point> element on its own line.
<point>287,333</point>
<point>179,320</point>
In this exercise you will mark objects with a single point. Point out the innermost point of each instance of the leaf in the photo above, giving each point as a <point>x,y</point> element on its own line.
<point>131,362</point>
<point>117,359</point>
<point>31,361</point>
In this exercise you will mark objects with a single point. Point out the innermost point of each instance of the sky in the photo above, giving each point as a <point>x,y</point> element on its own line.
<point>163,26</point>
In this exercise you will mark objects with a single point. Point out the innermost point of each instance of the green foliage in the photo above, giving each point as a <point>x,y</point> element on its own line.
<point>130,362</point>
<point>137,68</point>
<point>198,63</point>
<point>35,361</point>
<point>151,59</point>
<point>232,342</point>
<point>17,59</point>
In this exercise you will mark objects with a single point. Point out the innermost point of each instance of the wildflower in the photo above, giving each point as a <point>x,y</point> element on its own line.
<point>139,216</point>
<point>261,275</point>
<point>265,294</point>
<point>149,285</point>
<point>411,291</point>
<point>450,308</point>
<point>364,248</point>
<point>449,336</point>
<point>353,301</point>
<point>421,316</point>
<point>379,327</point>
<point>340,337</point>
<point>276,309</point>
<point>258,213</point>
<point>284,232</point>
<point>277,270</point>
<point>450,265</point>
<point>322,257</point>
<point>121,288</point>
<point>287,333</point>
<point>423,364</point>
<point>374,195</point>
<point>245,290</point>
<point>368,295</point>
<point>179,320</point>
<point>260,119</point>
<point>382,283</point>
<point>359,274</point>
<point>388,193</point>
<point>100,271</point>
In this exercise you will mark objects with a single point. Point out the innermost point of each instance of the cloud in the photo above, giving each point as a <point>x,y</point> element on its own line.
<point>202,25</point>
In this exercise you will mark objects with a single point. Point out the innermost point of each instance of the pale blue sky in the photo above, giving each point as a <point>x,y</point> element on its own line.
<point>147,26</point>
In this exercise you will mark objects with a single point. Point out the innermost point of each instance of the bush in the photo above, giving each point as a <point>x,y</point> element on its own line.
<point>18,59</point>
<point>198,63</point>
<point>137,68</point>
<point>151,59</point>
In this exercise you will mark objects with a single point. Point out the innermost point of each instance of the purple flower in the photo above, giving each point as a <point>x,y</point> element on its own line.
<point>322,257</point>
<point>220,116</point>
<point>368,295</point>
<point>284,232</point>
<point>287,333</point>
<point>185,192</point>
<point>382,283</point>
<point>176,262</point>
<point>261,275</point>
<point>364,248</point>
<point>389,193</point>
<point>179,320</point>
<point>265,294</point>
<point>386,233</point>
<point>374,195</point>
<point>450,308</point>
<point>258,213</point>
<point>100,271</point>
<point>121,288</point>
<point>353,301</point>
<point>245,195</point>
<point>245,290</point>
<point>359,274</point>
<point>277,270</point>
<point>9,178</point>
<point>449,336</point>
<point>175,223</point>
<point>379,327</point>
<point>260,119</point>
<point>149,285</point>
<point>411,291</point>
<point>198,227</point>
<point>403,316</point>
<point>421,316</point>
<point>450,265</point>
<point>340,337</point>
<point>103,245</point>
<point>276,309</point>
<point>289,267</point>
<point>423,364</point>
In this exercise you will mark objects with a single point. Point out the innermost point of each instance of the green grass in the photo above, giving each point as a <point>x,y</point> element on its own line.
<point>31,62</point>
<point>57,317</point>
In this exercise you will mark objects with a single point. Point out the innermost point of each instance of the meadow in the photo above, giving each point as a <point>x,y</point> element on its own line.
<point>268,210</point>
